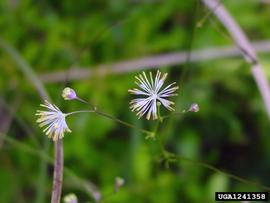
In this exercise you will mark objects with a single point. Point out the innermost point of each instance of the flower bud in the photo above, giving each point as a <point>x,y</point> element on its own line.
<point>70,198</point>
<point>69,94</point>
<point>194,108</point>
<point>119,182</point>
<point>96,196</point>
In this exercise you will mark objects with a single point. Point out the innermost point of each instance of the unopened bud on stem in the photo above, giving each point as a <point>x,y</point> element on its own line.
<point>96,196</point>
<point>70,198</point>
<point>119,182</point>
<point>194,108</point>
<point>69,94</point>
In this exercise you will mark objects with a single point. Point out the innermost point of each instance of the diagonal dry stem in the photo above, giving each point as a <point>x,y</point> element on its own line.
<point>150,62</point>
<point>242,42</point>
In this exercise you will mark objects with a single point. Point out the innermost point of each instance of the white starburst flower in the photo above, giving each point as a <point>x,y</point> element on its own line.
<point>152,93</point>
<point>54,120</point>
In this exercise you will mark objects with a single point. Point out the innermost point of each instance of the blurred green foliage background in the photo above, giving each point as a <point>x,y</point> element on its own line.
<point>230,132</point>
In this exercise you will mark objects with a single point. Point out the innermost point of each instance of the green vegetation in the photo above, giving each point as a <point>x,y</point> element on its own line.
<point>230,133</point>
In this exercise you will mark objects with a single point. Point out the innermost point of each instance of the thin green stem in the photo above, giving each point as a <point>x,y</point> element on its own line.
<point>206,16</point>
<point>114,118</point>
<point>98,36</point>
<point>190,45</point>
<point>193,108</point>
<point>158,138</point>
<point>174,114</point>
<point>171,157</point>
<point>86,102</point>
<point>159,142</point>
<point>191,37</point>
<point>82,111</point>
<point>41,153</point>
<point>213,168</point>
<point>122,122</point>
<point>160,118</point>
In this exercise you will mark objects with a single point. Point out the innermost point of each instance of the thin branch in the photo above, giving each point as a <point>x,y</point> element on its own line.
<point>90,188</point>
<point>242,42</point>
<point>58,172</point>
<point>151,62</point>
<point>213,168</point>
<point>265,1</point>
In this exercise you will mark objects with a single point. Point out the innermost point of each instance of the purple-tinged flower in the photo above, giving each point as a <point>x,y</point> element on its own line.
<point>151,91</point>
<point>194,108</point>
<point>54,120</point>
<point>70,198</point>
<point>96,196</point>
<point>69,94</point>
<point>118,183</point>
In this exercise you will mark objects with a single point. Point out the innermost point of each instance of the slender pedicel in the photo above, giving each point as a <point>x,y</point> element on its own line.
<point>112,118</point>
<point>70,94</point>
<point>82,111</point>
<point>83,101</point>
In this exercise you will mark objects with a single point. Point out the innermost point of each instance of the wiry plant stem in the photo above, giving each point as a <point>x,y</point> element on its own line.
<point>82,111</point>
<point>58,172</point>
<point>108,116</point>
<point>242,42</point>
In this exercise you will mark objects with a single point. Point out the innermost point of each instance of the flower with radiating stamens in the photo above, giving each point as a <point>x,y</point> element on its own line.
<point>152,93</point>
<point>54,120</point>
